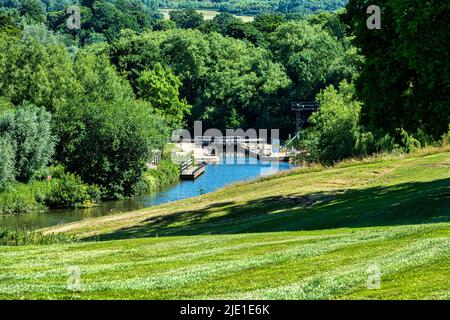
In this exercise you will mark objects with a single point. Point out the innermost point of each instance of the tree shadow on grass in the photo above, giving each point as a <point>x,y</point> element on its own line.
<point>408,203</point>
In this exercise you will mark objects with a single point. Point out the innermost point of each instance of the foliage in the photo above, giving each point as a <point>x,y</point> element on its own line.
<point>46,74</point>
<point>51,187</point>
<point>334,132</point>
<point>124,132</point>
<point>98,79</point>
<point>165,174</point>
<point>187,18</point>
<point>5,105</point>
<point>69,191</point>
<point>40,33</point>
<point>32,10</point>
<point>229,83</point>
<point>310,5</point>
<point>29,131</point>
<point>268,23</point>
<point>312,57</point>
<point>19,198</point>
<point>23,237</point>
<point>7,26</point>
<point>7,161</point>
<point>42,75</point>
<point>229,25</point>
<point>160,87</point>
<point>333,129</point>
<point>255,7</point>
<point>405,80</point>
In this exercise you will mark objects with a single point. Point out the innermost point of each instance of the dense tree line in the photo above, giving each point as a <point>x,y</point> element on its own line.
<point>255,7</point>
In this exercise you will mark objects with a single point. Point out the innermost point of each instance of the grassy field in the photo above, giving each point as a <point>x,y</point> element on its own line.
<point>208,14</point>
<point>315,233</point>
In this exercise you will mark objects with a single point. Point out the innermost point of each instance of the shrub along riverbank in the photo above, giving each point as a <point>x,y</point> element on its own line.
<point>54,188</point>
<point>61,190</point>
<point>165,174</point>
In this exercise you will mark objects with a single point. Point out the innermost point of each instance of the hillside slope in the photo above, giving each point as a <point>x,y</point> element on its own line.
<point>300,235</point>
<point>380,192</point>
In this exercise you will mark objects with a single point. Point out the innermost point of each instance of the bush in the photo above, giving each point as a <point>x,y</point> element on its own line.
<point>22,237</point>
<point>446,137</point>
<point>333,130</point>
<point>7,160</point>
<point>55,172</point>
<point>110,144</point>
<point>165,174</point>
<point>409,143</point>
<point>23,198</point>
<point>65,190</point>
<point>30,133</point>
<point>70,192</point>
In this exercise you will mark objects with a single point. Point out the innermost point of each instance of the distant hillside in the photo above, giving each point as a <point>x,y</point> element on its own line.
<point>256,6</point>
<point>251,7</point>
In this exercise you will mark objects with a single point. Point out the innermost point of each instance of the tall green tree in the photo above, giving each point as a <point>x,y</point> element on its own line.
<point>187,18</point>
<point>32,10</point>
<point>30,71</point>
<point>29,130</point>
<point>312,57</point>
<point>405,79</point>
<point>160,87</point>
<point>333,129</point>
<point>110,143</point>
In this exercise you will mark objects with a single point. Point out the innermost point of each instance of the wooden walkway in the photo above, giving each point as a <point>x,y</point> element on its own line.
<point>191,172</point>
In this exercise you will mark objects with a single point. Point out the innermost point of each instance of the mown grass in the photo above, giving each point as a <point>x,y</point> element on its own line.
<point>285,265</point>
<point>301,235</point>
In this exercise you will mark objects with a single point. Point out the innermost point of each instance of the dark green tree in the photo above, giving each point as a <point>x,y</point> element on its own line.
<point>187,18</point>
<point>110,144</point>
<point>33,10</point>
<point>405,79</point>
<point>268,22</point>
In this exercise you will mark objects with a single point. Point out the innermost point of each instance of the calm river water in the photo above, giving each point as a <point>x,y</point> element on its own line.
<point>231,169</point>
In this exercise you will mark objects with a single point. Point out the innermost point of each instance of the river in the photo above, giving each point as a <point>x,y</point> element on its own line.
<point>231,169</point>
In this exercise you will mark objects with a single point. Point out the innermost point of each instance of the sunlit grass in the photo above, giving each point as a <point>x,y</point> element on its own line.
<point>301,235</point>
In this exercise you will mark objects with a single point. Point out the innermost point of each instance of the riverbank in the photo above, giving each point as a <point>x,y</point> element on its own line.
<point>309,233</point>
<point>225,211</point>
<point>229,170</point>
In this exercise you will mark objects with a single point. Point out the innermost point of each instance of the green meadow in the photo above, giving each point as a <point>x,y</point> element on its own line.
<point>208,14</point>
<point>311,233</point>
